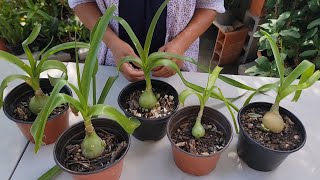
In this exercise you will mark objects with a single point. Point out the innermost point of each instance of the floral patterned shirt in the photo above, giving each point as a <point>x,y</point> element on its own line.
<point>179,14</point>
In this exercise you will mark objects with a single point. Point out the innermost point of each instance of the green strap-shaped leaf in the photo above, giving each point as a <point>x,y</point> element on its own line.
<point>14,60</point>
<point>55,99</point>
<point>34,34</point>
<point>43,50</point>
<point>129,125</point>
<point>129,59</point>
<point>91,58</point>
<point>293,88</point>
<point>213,78</point>
<point>52,64</point>
<point>51,173</point>
<point>230,111</point>
<point>277,56</point>
<point>235,83</point>
<point>55,80</point>
<point>106,89</point>
<point>305,68</point>
<point>165,55</point>
<point>61,47</point>
<point>186,93</point>
<point>7,80</point>
<point>263,88</point>
<point>152,27</point>
<point>133,38</point>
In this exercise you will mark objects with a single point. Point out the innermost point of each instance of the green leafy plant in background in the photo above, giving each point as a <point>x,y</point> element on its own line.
<point>293,25</point>
<point>272,120</point>
<point>198,130</point>
<point>36,66</point>
<point>12,22</point>
<point>92,146</point>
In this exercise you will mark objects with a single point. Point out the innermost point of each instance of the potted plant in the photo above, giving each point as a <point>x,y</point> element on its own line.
<point>199,134</point>
<point>25,101</point>
<point>227,18</point>
<point>151,101</point>
<point>94,148</point>
<point>268,132</point>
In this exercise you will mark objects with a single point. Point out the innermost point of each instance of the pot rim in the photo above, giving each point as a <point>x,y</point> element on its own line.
<point>257,143</point>
<point>92,172</point>
<point>143,118</point>
<point>31,122</point>
<point>196,155</point>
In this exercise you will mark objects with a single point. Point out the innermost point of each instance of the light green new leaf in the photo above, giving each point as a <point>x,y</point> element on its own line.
<point>186,93</point>
<point>8,79</point>
<point>213,78</point>
<point>55,80</point>
<point>52,64</point>
<point>129,59</point>
<point>293,88</point>
<point>129,125</point>
<point>230,111</point>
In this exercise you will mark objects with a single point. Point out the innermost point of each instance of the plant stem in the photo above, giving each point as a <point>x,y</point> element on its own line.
<point>88,125</point>
<point>148,83</point>
<point>198,120</point>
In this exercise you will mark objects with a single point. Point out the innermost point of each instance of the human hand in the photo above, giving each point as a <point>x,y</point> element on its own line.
<point>164,71</point>
<point>121,49</point>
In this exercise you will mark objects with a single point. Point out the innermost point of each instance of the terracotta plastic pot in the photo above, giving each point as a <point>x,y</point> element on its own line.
<point>110,172</point>
<point>3,46</point>
<point>256,7</point>
<point>256,155</point>
<point>150,129</point>
<point>56,124</point>
<point>197,165</point>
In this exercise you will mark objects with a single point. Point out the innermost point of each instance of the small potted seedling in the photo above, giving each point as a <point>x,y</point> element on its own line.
<point>199,134</point>
<point>25,101</point>
<point>151,101</point>
<point>268,132</point>
<point>94,148</point>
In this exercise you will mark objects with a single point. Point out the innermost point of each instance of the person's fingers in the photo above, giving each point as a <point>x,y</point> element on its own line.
<point>131,73</point>
<point>164,72</point>
<point>162,49</point>
<point>169,74</point>
<point>157,68</point>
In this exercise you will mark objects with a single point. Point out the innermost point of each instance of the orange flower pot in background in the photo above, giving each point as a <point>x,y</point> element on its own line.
<point>256,7</point>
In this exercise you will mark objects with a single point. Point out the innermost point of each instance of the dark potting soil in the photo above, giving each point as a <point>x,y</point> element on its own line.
<point>212,142</point>
<point>164,107</point>
<point>22,111</point>
<point>75,161</point>
<point>288,139</point>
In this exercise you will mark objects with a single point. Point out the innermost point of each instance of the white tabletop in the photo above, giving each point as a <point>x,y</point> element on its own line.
<point>153,160</point>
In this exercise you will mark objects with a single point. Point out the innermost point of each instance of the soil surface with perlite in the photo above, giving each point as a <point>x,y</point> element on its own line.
<point>22,112</point>
<point>75,161</point>
<point>164,106</point>
<point>290,138</point>
<point>212,142</point>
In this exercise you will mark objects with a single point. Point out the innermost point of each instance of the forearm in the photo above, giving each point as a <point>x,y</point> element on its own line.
<point>200,22</point>
<point>89,14</point>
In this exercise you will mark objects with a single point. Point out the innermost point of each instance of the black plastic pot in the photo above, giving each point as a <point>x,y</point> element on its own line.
<point>256,155</point>
<point>56,124</point>
<point>198,165</point>
<point>110,172</point>
<point>150,129</point>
